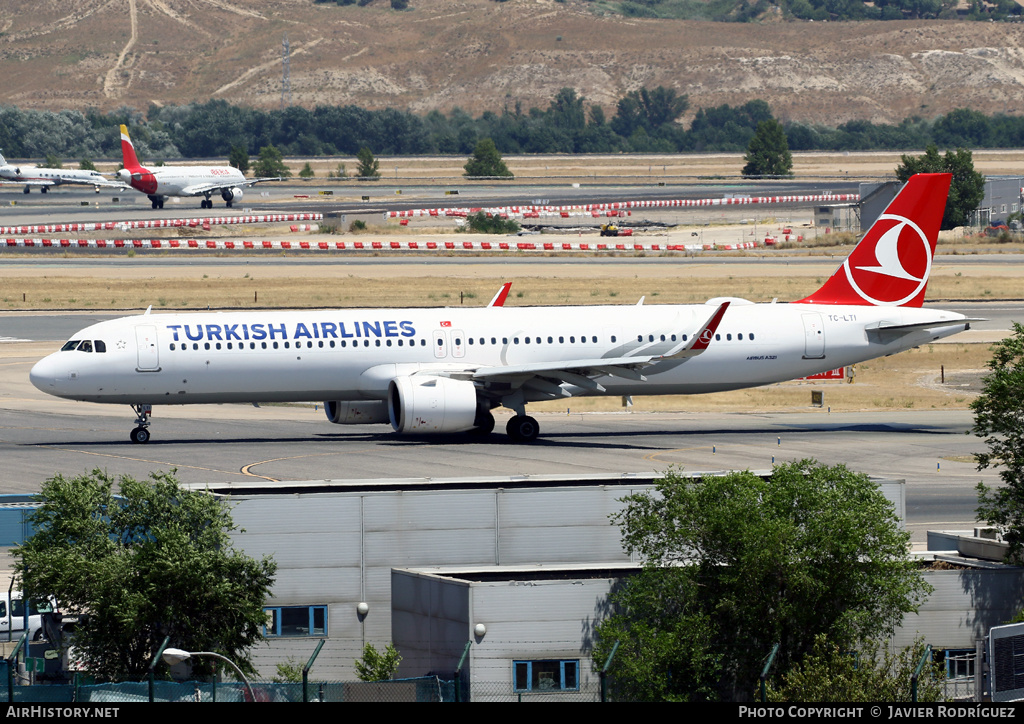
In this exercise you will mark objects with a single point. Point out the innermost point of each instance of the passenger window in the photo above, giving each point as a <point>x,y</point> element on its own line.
<point>751,335</point>
<point>172,346</point>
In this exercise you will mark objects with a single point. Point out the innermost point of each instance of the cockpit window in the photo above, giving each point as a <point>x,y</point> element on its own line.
<point>70,345</point>
<point>101,346</point>
<point>85,346</point>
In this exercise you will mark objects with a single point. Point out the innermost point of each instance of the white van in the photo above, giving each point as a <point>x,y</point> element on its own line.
<point>12,616</point>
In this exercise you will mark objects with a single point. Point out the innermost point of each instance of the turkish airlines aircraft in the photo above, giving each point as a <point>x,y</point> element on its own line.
<point>163,181</point>
<point>443,370</point>
<point>47,177</point>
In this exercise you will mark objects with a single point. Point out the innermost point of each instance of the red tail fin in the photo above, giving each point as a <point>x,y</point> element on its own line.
<point>890,265</point>
<point>131,161</point>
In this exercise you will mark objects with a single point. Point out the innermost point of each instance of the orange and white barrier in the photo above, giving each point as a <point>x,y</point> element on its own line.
<point>203,222</point>
<point>374,246</point>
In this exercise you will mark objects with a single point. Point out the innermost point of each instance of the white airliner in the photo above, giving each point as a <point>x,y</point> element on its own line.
<point>47,177</point>
<point>163,181</point>
<point>443,370</point>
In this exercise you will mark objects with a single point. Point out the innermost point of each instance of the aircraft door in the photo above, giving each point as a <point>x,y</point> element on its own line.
<point>149,352</point>
<point>458,345</point>
<point>440,344</point>
<point>814,336</point>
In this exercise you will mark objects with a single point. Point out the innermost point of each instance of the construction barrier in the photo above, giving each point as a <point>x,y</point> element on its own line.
<point>204,223</point>
<point>620,208</point>
<point>277,245</point>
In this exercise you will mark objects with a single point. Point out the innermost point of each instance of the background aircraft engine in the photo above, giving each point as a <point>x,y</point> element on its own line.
<point>422,403</point>
<point>234,194</point>
<point>356,412</point>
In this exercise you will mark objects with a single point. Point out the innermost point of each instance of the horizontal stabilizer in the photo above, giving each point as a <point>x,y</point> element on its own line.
<point>896,327</point>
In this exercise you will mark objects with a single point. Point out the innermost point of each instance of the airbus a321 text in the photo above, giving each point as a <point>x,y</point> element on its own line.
<point>443,370</point>
<point>160,182</point>
<point>44,178</point>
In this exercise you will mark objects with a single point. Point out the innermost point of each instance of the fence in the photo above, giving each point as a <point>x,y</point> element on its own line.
<point>426,689</point>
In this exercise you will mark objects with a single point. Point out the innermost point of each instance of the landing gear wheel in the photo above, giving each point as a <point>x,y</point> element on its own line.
<point>522,428</point>
<point>228,204</point>
<point>206,204</point>
<point>140,435</point>
<point>485,426</point>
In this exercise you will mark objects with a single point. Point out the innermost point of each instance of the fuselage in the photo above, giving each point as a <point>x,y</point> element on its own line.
<point>177,180</point>
<point>353,354</point>
<point>51,176</point>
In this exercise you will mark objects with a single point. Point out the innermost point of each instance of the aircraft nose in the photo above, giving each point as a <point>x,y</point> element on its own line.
<point>44,374</point>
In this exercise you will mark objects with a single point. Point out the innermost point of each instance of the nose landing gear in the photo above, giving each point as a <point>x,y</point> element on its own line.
<point>140,434</point>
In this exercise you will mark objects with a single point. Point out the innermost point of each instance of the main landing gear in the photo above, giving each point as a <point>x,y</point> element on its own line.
<point>206,203</point>
<point>522,428</point>
<point>157,201</point>
<point>140,434</point>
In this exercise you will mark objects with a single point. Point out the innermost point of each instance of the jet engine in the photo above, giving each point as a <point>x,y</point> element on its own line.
<point>234,194</point>
<point>356,412</point>
<point>422,404</point>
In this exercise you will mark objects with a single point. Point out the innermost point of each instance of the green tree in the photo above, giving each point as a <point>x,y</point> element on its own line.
<point>649,109</point>
<point>378,666</point>
<point>270,164</point>
<point>307,171</point>
<point>484,223</point>
<point>768,153</point>
<point>369,167</point>
<point>997,419</point>
<point>239,158</point>
<point>734,564</point>
<point>832,674</point>
<point>289,671</point>
<point>149,561</point>
<point>965,191</point>
<point>52,161</point>
<point>86,165</point>
<point>486,161</point>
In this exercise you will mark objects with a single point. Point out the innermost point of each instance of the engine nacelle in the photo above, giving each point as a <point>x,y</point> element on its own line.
<point>426,404</point>
<point>234,194</point>
<point>356,412</point>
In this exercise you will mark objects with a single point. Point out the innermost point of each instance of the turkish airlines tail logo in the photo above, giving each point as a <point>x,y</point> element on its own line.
<point>891,264</point>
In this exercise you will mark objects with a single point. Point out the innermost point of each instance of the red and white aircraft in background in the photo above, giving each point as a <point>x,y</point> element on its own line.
<point>443,370</point>
<point>44,178</point>
<point>163,181</point>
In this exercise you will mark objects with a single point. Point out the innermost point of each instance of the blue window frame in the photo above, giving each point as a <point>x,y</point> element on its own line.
<point>295,621</point>
<point>546,675</point>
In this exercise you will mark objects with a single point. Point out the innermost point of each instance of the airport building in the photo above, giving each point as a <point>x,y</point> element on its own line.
<point>423,563</point>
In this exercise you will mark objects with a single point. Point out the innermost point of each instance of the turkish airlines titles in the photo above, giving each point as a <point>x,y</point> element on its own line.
<point>314,330</point>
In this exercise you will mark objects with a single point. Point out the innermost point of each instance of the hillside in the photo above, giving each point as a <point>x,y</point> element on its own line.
<point>481,55</point>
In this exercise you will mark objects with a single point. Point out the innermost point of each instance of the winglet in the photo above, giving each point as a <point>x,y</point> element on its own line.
<point>501,296</point>
<point>891,264</point>
<point>131,161</point>
<point>700,341</point>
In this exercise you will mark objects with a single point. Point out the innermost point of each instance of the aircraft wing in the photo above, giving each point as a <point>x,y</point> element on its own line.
<point>199,189</point>
<point>547,376</point>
